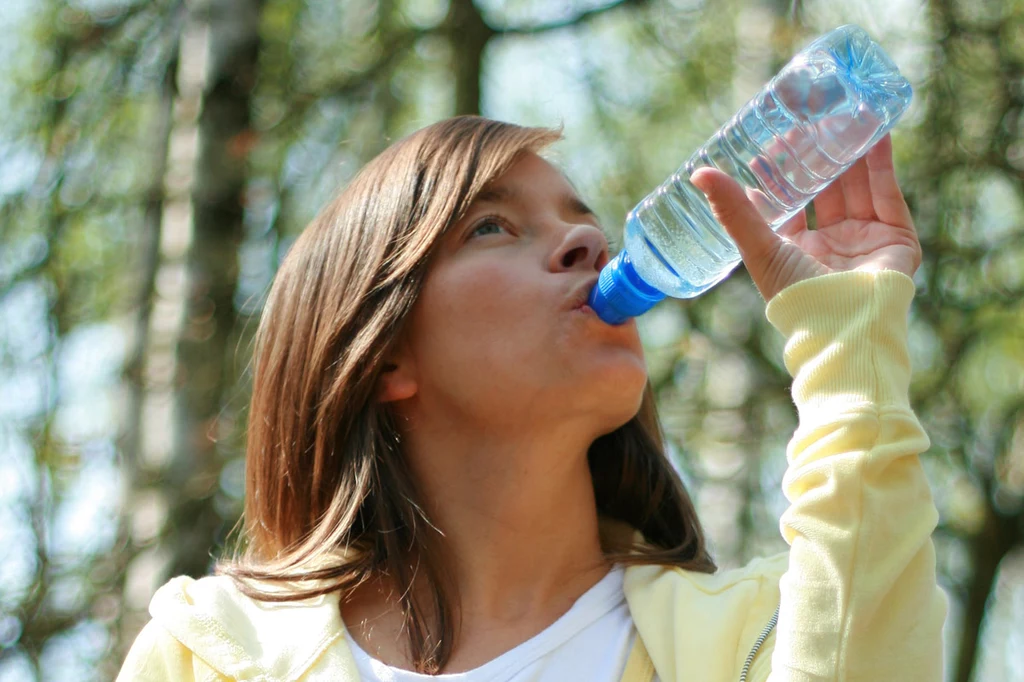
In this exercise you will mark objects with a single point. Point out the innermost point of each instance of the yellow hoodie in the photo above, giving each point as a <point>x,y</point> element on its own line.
<point>855,597</point>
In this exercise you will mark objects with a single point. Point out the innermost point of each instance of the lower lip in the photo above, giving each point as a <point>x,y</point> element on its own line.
<point>586,309</point>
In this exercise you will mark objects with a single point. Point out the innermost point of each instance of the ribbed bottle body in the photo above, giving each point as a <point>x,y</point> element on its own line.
<point>817,116</point>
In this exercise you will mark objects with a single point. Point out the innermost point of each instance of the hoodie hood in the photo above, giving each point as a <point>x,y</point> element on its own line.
<point>245,639</point>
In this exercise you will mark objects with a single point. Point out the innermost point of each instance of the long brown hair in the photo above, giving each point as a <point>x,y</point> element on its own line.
<point>328,496</point>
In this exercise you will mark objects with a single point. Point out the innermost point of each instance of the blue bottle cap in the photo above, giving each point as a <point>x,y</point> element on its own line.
<point>621,293</point>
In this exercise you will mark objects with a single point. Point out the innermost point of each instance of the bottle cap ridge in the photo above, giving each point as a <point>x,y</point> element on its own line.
<point>621,293</point>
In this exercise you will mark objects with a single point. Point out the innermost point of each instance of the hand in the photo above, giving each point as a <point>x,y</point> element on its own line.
<point>863,224</point>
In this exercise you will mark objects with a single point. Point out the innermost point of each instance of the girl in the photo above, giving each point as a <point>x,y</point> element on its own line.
<point>455,469</point>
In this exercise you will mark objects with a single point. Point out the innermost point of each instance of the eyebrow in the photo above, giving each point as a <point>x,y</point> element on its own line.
<point>511,195</point>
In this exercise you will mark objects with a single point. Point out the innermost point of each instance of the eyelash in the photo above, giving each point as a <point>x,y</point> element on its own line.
<point>488,220</point>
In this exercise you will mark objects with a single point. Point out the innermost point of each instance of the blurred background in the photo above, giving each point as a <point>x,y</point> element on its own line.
<point>158,157</point>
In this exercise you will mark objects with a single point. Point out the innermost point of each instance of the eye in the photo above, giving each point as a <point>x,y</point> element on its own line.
<point>487,225</point>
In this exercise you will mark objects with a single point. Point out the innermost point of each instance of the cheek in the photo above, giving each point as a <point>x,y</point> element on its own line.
<point>480,319</point>
<point>477,300</point>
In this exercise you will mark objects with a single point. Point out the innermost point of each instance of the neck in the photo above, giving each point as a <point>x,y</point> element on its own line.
<point>521,537</point>
<point>518,515</point>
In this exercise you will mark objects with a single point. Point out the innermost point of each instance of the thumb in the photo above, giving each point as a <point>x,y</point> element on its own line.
<point>734,210</point>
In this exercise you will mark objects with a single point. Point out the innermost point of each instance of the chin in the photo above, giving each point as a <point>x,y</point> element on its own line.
<point>621,369</point>
<point>616,419</point>
<point>619,391</point>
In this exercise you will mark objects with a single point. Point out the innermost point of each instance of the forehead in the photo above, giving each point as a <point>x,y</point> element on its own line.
<point>529,168</point>
<point>531,178</point>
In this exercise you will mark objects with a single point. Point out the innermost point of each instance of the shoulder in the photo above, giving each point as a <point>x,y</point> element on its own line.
<point>240,636</point>
<point>749,593</point>
<point>762,573</point>
<point>156,656</point>
<point>681,615</point>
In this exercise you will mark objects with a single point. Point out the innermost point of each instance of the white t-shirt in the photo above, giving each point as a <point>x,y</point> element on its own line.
<point>591,641</point>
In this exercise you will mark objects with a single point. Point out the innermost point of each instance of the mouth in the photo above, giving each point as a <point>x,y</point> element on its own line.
<point>581,296</point>
<point>584,308</point>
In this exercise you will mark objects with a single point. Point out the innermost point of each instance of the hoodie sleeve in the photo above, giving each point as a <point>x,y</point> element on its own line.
<point>859,599</point>
<point>156,656</point>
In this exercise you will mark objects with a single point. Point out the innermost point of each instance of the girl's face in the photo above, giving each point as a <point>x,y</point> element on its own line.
<point>500,338</point>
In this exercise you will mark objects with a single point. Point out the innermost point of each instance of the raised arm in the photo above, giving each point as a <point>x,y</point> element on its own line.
<point>859,600</point>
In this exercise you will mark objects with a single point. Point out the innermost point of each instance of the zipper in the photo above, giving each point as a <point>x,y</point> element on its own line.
<point>772,622</point>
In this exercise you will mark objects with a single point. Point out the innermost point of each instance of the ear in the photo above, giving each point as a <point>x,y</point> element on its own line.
<point>398,380</point>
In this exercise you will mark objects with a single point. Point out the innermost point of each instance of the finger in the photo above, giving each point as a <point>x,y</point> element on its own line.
<point>830,204</point>
<point>857,191</point>
<point>737,215</point>
<point>889,204</point>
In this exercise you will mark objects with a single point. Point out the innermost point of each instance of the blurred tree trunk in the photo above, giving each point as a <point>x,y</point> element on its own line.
<point>211,269</point>
<point>139,492</point>
<point>469,35</point>
<point>988,548</point>
<point>186,368</point>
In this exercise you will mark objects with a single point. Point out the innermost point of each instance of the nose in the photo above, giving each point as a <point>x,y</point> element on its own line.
<point>583,248</point>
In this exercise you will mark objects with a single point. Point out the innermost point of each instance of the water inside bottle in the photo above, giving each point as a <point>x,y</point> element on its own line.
<point>795,137</point>
<point>809,124</point>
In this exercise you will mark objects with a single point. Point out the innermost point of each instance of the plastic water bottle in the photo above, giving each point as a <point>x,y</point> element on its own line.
<point>819,114</point>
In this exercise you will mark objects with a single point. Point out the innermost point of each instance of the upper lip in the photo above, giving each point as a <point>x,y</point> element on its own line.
<point>581,294</point>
